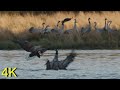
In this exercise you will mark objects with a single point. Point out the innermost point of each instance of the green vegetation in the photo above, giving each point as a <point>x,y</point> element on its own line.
<point>68,41</point>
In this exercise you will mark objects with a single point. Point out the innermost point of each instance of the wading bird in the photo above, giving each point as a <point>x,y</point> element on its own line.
<point>60,65</point>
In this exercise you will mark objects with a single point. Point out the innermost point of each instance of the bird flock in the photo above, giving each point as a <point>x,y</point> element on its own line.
<point>46,29</point>
<point>39,50</point>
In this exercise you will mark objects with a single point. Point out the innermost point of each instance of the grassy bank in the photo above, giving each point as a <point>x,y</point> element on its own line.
<point>17,25</point>
<point>77,41</point>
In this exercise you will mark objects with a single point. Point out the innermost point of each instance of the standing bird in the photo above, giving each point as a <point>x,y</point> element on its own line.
<point>105,27</point>
<point>46,30</point>
<point>35,30</point>
<point>27,46</point>
<point>98,29</point>
<point>88,29</point>
<point>60,65</point>
<point>56,29</point>
<point>61,30</point>
<point>108,27</point>
<point>74,28</point>
<point>75,25</point>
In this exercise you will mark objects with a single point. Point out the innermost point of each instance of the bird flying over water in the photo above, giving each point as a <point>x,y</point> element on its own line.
<point>29,47</point>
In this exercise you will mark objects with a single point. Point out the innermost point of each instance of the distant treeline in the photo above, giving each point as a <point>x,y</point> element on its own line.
<point>44,12</point>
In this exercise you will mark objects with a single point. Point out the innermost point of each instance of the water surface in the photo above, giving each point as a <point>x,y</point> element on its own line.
<point>89,64</point>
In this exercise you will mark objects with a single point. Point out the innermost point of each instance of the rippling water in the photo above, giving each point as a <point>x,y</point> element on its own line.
<point>89,64</point>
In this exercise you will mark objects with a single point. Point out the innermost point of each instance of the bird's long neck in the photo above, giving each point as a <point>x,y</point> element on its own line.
<point>95,26</point>
<point>62,27</point>
<point>43,26</point>
<point>75,26</point>
<point>56,56</point>
<point>56,27</point>
<point>105,24</point>
<point>46,28</point>
<point>89,23</point>
<point>58,24</point>
<point>108,24</point>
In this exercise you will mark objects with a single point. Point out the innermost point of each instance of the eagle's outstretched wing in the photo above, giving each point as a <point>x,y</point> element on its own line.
<point>26,45</point>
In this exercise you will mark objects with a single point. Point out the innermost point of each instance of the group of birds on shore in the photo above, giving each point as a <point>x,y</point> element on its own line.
<point>83,30</point>
<point>57,30</point>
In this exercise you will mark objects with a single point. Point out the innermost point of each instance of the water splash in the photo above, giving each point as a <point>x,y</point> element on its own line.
<point>29,58</point>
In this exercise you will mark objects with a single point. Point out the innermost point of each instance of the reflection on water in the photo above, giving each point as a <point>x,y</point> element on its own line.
<point>89,64</point>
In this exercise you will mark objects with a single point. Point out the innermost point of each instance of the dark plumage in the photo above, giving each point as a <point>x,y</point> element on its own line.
<point>27,46</point>
<point>66,20</point>
<point>60,65</point>
<point>31,29</point>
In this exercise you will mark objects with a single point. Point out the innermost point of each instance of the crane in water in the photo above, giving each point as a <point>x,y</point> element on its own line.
<point>55,64</point>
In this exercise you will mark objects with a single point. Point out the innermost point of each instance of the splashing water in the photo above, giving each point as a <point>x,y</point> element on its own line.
<point>29,58</point>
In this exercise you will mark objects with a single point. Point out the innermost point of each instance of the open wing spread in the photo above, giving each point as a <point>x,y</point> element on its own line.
<point>68,59</point>
<point>24,44</point>
<point>56,65</point>
<point>27,46</point>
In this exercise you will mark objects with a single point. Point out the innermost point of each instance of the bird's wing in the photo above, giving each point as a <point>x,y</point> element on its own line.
<point>68,59</point>
<point>66,20</point>
<point>25,45</point>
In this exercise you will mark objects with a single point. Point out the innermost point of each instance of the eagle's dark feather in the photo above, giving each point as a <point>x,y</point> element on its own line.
<point>27,46</point>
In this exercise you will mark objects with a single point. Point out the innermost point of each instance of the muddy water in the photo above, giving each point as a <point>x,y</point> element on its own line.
<point>89,64</point>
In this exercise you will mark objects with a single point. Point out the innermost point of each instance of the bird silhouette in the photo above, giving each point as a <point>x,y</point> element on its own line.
<point>60,65</point>
<point>66,20</point>
<point>29,47</point>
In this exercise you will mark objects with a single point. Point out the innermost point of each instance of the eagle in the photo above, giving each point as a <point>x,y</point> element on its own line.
<point>29,47</point>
